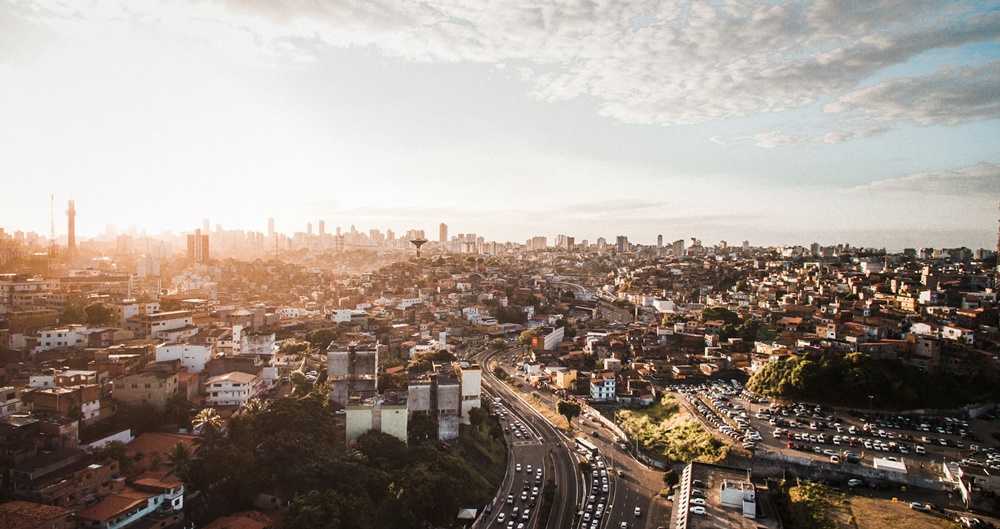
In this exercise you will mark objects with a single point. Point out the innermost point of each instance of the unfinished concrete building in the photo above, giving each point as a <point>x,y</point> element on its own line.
<point>351,367</point>
<point>438,393</point>
<point>367,410</point>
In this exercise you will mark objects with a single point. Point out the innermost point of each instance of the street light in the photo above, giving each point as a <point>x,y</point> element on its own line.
<point>871,400</point>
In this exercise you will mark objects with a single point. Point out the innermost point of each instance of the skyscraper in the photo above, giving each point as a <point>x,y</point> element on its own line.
<point>659,241</point>
<point>71,231</point>
<point>322,228</point>
<point>197,246</point>
<point>270,228</point>
<point>443,235</point>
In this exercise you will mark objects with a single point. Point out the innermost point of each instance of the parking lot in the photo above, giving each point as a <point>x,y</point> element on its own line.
<point>838,437</point>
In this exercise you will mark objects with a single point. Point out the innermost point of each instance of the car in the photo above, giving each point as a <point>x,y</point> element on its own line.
<point>638,512</point>
<point>697,509</point>
<point>510,498</point>
<point>854,482</point>
<point>697,501</point>
<point>517,467</point>
<point>917,506</point>
<point>500,518</point>
<point>698,483</point>
<point>624,525</point>
<point>697,494</point>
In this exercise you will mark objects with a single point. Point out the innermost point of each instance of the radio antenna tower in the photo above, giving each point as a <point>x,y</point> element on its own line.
<point>996,277</point>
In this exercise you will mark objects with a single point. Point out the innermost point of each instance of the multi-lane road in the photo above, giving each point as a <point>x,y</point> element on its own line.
<point>537,440</point>
<point>631,483</point>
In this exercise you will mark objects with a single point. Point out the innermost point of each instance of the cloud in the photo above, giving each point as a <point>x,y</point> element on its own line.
<point>644,61</point>
<point>775,138</point>
<point>980,180</point>
<point>949,96</point>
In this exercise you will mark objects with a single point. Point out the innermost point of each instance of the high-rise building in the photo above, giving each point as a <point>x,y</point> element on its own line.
<point>443,234</point>
<point>322,228</point>
<point>71,231</point>
<point>621,244</point>
<point>205,226</point>
<point>197,246</point>
<point>309,228</point>
<point>659,241</point>
<point>270,228</point>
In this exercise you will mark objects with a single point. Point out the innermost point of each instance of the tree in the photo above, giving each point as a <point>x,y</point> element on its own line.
<point>179,459</point>
<point>569,409</point>
<point>670,478</point>
<point>97,313</point>
<point>478,416</point>
<point>420,428</point>
<point>498,344</point>
<point>177,409</point>
<point>116,450</point>
<point>526,336</point>
<point>208,423</point>
<point>719,313</point>
<point>321,338</point>
<point>294,348</point>
<point>500,373</point>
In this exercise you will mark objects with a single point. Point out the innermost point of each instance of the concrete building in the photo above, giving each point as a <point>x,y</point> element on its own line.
<point>232,389</point>
<point>437,393</point>
<point>197,246</point>
<point>470,378</point>
<point>386,413</point>
<point>730,499</point>
<point>10,401</point>
<point>351,367</point>
<point>83,402</point>
<point>192,356</point>
<point>156,325</point>
<point>28,515</point>
<point>148,387</point>
<point>602,386</point>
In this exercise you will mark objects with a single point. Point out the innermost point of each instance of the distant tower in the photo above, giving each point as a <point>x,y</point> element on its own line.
<point>443,235</point>
<point>204,225</point>
<point>71,231</point>
<point>322,228</point>
<point>309,228</point>
<point>996,279</point>
<point>659,241</point>
<point>270,228</point>
<point>418,243</point>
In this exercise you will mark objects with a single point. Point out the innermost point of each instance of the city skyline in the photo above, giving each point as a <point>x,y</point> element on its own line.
<point>778,123</point>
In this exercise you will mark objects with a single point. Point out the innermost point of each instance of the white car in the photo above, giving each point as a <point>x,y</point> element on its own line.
<point>854,482</point>
<point>697,501</point>
<point>698,509</point>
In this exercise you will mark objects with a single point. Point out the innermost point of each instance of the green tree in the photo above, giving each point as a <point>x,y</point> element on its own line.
<point>670,478</point>
<point>320,338</point>
<point>421,427</point>
<point>208,423</point>
<point>569,409</point>
<point>478,416</point>
<point>179,459</point>
<point>116,450</point>
<point>498,344</point>
<point>294,348</point>
<point>526,336</point>
<point>716,312</point>
<point>97,313</point>
<point>177,409</point>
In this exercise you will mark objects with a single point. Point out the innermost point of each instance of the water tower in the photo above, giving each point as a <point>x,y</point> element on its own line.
<point>418,243</point>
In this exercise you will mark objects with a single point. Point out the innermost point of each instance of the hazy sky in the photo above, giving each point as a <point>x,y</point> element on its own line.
<point>870,122</point>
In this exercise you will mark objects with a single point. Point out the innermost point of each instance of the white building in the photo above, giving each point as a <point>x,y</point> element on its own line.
<point>602,386</point>
<point>192,356</point>
<point>69,336</point>
<point>232,389</point>
<point>471,385</point>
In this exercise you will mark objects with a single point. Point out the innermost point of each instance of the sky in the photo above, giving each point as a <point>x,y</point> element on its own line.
<point>777,122</point>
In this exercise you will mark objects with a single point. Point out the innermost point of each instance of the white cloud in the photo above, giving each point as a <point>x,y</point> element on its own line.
<point>980,180</point>
<point>646,62</point>
<point>950,96</point>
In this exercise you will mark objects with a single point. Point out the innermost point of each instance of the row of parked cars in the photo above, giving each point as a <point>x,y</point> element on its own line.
<point>597,499</point>
<point>718,394</point>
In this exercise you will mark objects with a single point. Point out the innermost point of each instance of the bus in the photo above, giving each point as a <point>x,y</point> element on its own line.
<point>583,444</point>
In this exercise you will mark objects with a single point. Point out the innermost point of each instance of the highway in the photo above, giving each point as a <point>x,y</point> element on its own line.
<point>635,487</point>
<point>527,449</point>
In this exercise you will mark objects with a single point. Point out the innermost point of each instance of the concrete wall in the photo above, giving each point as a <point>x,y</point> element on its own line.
<point>359,421</point>
<point>419,396</point>
<point>394,421</point>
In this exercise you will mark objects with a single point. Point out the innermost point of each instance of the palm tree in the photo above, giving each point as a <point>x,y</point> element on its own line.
<point>178,459</point>
<point>208,423</point>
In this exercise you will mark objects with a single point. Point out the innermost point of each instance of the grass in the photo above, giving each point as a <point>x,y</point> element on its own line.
<point>665,431</point>
<point>818,506</point>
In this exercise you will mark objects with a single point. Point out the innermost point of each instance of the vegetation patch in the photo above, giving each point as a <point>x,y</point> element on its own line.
<point>851,379</point>
<point>666,432</point>
<point>811,505</point>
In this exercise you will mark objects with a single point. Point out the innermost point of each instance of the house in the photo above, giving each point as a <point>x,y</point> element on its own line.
<point>148,387</point>
<point>232,389</point>
<point>19,514</point>
<point>192,356</point>
<point>602,386</point>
